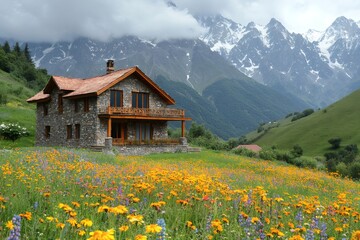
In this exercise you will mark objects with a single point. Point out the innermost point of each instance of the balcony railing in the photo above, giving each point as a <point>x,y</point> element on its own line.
<point>121,142</point>
<point>151,112</point>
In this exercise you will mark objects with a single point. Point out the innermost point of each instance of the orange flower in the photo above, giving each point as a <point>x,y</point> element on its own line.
<point>153,228</point>
<point>140,237</point>
<point>124,228</point>
<point>86,222</point>
<point>10,225</point>
<point>355,235</point>
<point>26,215</point>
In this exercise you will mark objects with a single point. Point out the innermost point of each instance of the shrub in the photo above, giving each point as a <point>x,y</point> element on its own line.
<point>335,142</point>
<point>306,162</point>
<point>354,170</point>
<point>244,152</point>
<point>297,151</point>
<point>267,154</point>
<point>342,169</point>
<point>12,131</point>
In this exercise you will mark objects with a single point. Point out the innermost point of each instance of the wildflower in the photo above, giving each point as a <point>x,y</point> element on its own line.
<point>72,221</point>
<point>26,215</point>
<point>47,194</point>
<point>16,228</point>
<point>296,237</point>
<point>118,210</point>
<point>135,219</point>
<point>153,228</point>
<point>10,225</point>
<point>124,228</point>
<point>103,208</point>
<point>60,225</point>
<point>102,235</point>
<point>140,237</point>
<point>216,224</point>
<point>338,229</point>
<point>355,235</point>
<point>162,233</point>
<point>255,220</point>
<point>75,204</point>
<point>189,224</point>
<point>81,233</point>
<point>86,222</point>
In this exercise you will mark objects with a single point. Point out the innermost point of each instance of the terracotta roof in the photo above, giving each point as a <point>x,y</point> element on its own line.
<point>251,147</point>
<point>40,96</point>
<point>96,85</point>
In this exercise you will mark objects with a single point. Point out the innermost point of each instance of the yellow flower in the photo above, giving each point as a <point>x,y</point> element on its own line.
<point>81,233</point>
<point>103,208</point>
<point>60,225</point>
<point>355,235</point>
<point>72,221</point>
<point>101,235</point>
<point>86,222</point>
<point>47,194</point>
<point>10,225</point>
<point>153,228</point>
<point>135,219</point>
<point>135,200</point>
<point>296,237</point>
<point>75,204</point>
<point>124,228</point>
<point>140,237</point>
<point>118,210</point>
<point>255,220</point>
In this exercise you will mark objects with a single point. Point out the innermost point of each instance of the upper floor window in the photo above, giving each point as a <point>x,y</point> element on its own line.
<point>116,98</point>
<point>86,104</point>
<point>140,100</point>
<point>60,103</point>
<point>45,109</point>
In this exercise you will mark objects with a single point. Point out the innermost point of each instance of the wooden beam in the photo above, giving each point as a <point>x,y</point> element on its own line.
<point>109,127</point>
<point>182,128</point>
<point>145,117</point>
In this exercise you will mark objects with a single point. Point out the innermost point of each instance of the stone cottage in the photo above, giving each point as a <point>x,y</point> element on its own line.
<point>123,108</point>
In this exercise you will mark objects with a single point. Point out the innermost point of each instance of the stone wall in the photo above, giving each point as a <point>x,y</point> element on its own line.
<point>148,149</point>
<point>58,122</point>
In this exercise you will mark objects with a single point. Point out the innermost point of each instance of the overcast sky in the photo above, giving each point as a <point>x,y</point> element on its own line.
<point>53,20</point>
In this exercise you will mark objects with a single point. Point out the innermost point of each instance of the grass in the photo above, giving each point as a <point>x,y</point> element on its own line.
<point>75,194</point>
<point>313,132</point>
<point>16,110</point>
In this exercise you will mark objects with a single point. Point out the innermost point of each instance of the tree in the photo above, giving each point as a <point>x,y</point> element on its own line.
<point>27,53</point>
<point>335,142</point>
<point>17,49</point>
<point>297,151</point>
<point>6,47</point>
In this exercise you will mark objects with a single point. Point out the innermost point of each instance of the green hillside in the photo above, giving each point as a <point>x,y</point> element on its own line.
<point>312,133</point>
<point>14,108</point>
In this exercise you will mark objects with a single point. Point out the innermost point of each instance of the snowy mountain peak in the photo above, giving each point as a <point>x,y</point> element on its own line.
<point>312,35</point>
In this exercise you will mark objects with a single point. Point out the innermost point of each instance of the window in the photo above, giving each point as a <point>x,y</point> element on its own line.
<point>47,131</point>
<point>60,103</point>
<point>69,132</point>
<point>76,105</point>
<point>116,98</point>
<point>45,109</point>
<point>86,105</point>
<point>143,131</point>
<point>140,100</point>
<point>77,131</point>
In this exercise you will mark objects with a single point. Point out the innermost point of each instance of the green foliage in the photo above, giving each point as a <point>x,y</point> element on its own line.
<point>12,131</point>
<point>297,151</point>
<point>305,162</point>
<point>305,113</point>
<point>18,63</point>
<point>312,132</point>
<point>335,142</point>
<point>354,170</point>
<point>244,152</point>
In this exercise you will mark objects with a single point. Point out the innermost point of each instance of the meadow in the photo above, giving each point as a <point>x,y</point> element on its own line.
<point>73,194</point>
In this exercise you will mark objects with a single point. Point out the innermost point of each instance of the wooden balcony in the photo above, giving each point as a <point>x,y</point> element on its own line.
<point>144,112</point>
<point>121,142</point>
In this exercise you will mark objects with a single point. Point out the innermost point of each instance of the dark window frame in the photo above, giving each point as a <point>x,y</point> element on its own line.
<point>45,109</point>
<point>116,95</point>
<point>86,104</point>
<point>76,105</point>
<point>47,132</point>
<point>68,131</point>
<point>140,100</point>
<point>77,131</point>
<point>60,103</point>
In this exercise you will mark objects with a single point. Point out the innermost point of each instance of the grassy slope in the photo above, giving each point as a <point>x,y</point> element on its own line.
<point>313,132</point>
<point>17,109</point>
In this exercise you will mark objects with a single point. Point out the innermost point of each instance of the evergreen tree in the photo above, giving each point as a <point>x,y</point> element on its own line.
<point>17,49</point>
<point>27,53</point>
<point>6,47</point>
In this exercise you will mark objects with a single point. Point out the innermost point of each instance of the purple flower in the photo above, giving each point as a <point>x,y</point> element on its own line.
<point>15,232</point>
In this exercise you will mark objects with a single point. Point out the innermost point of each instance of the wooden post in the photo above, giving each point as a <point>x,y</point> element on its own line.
<point>109,127</point>
<point>183,128</point>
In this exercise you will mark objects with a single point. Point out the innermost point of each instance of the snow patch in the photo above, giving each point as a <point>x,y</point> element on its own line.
<point>45,52</point>
<point>263,35</point>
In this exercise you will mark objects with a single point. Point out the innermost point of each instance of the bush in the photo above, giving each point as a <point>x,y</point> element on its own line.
<point>297,151</point>
<point>267,154</point>
<point>342,169</point>
<point>335,142</point>
<point>244,152</point>
<point>354,170</point>
<point>305,162</point>
<point>12,131</point>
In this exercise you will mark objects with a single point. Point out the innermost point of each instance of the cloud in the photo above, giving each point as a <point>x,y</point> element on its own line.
<point>54,20</point>
<point>296,15</point>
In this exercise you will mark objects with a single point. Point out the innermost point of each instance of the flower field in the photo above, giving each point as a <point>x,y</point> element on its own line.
<point>59,194</point>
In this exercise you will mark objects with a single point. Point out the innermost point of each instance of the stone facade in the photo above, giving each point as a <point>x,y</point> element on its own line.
<point>93,130</point>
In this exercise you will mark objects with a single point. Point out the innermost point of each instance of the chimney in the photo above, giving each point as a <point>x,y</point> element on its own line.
<point>109,66</point>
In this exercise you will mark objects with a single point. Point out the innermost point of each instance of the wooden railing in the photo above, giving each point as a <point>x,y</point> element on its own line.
<point>156,112</point>
<point>119,141</point>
